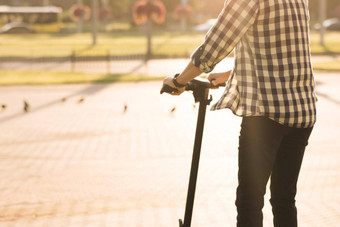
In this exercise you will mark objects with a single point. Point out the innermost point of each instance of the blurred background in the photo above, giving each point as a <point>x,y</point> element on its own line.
<point>86,139</point>
<point>77,34</point>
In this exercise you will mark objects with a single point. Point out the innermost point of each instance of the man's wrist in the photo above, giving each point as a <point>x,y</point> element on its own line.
<point>174,80</point>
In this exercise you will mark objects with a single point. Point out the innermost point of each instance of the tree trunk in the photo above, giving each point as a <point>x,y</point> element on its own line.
<point>322,15</point>
<point>94,21</point>
<point>81,19</point>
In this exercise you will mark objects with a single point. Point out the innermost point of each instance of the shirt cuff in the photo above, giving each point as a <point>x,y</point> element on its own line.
<point>200,62</point>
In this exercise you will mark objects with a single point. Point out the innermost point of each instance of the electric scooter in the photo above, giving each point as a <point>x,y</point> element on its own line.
<point>200,89</point>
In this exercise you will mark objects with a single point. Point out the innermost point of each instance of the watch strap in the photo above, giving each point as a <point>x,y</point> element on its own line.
<point>176,83</point>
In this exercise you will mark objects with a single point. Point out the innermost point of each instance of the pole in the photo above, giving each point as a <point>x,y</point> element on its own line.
<point>194,166</point>
<point>322,18</point>
<point>201,95</point>
<point>184,20</point>
<point>105,5</point>
<point>94,21</point>
<point>108,61</point>
<point>81,19</point>
<point>73,60</point>
<point>149,34</point>
<point>46,2</point>
<point>16,2</point>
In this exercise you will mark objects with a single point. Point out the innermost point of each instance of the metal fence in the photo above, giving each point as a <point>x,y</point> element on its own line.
<point>112,62</point>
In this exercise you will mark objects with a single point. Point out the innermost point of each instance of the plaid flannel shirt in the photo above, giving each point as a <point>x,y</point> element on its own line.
<point>272,75</point>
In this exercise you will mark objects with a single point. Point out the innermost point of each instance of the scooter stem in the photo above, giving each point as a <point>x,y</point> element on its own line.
<point>200,91</point>
<point>202,97</point>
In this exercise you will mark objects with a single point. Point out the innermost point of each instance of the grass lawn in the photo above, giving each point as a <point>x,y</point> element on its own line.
<point>327,66</point>
<point>332,43</point>
<point>123,43</point>
<point>164,43</point>
<point>44,78</point>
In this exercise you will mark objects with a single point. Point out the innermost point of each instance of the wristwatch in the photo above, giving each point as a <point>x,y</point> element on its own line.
<point>174,80</point>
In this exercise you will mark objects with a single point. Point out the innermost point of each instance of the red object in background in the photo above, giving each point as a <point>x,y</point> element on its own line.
<point>80,11</point>
<point>182,12</point>
<point>145,10</point>
<point>105,13</point>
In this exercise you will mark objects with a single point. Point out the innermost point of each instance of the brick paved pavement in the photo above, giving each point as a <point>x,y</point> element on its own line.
<point>90,164</point>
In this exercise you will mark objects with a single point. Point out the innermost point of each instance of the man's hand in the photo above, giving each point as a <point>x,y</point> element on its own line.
<point>219,78</point>
<point>168,81</point>
<point>189,73</point>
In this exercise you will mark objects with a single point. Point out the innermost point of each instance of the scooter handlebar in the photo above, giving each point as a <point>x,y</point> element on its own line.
<point>192,86</point>
<point>201,83</point>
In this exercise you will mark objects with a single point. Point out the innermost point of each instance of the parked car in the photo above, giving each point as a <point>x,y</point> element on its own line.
<point>16,27</point>
<point>332,24</point>
<point>205,26</point>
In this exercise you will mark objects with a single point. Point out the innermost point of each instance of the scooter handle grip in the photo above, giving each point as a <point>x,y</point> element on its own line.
<point>166,88</point>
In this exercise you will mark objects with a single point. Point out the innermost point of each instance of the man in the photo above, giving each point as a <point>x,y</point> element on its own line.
<point>272,88</point>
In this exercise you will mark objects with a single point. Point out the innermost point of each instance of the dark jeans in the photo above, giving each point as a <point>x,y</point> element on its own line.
<point>267,148</point>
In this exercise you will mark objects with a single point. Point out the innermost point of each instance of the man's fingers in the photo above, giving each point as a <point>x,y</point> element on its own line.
<point>216,81</point>
<point>218,78</point>
<point>212,76</point>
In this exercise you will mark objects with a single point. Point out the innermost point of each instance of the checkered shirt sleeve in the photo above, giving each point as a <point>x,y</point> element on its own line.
<point>273,75</point>
<point>234,20</point>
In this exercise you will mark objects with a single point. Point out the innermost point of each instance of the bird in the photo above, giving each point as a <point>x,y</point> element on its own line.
<point>26,106</point>
<point>81,100</point>
<point>194,106</point>
<point>125,108</point>
<point>3,107</point>
<point>63,99</point>
<point>173,110</point>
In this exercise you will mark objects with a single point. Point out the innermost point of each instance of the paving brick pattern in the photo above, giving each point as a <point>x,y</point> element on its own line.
<point>94,164</point>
